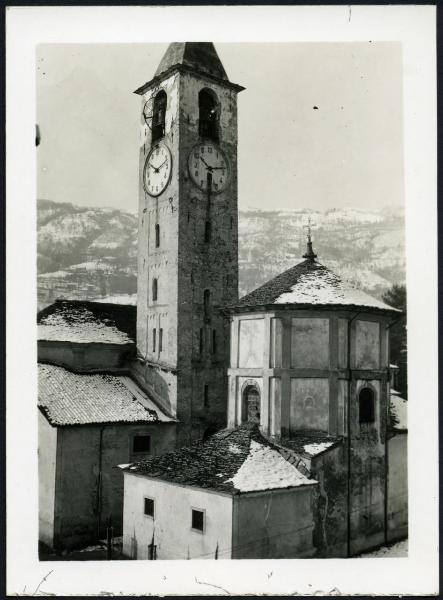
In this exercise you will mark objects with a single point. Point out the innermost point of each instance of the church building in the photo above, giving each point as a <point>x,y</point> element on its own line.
<point>267,416</point>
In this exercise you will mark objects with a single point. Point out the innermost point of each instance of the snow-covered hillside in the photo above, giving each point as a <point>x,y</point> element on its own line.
<point>91,253</point>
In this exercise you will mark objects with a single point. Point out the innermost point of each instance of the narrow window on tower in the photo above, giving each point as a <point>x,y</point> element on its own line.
<point>208,115</point>
<point>160,339</point>
<point>206,395</point>
<point>207,232</point>
<point>366,400</point>
<point>214,341</point>
<point>157,235</point>
<point>158,116</point>
<point>200,342</point>
<point>154,339</point>
<point>232,222</point>
<point>207,305</point>
<point>154,289</point>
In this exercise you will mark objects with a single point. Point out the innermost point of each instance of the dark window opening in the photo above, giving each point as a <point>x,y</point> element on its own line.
<point>207,232</point>
<point>160,339</point>
<point>251,405</point>
<point>232,222</point>
<point>141,443</point>
<point>159,116</point>
<point>208,115</point>
<point>366,400</point>
<point>154,289</point>
<point>207,304</point>
<point>149,507</point>
<point>200,342</point>
<point>154,339</point>
<point>198,520</point>
<point>206,395</point>
<point>157,235</point>
<point>214,341</point>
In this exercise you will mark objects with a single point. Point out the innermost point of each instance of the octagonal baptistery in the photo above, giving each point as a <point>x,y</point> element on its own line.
<point>309,353</point>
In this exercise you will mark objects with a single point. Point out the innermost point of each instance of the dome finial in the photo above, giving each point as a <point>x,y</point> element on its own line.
<point>309,251</point>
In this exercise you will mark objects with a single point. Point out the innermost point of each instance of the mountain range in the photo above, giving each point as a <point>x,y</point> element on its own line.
<point>91,253</point>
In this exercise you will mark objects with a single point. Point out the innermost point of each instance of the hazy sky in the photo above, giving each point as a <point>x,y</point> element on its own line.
<point>348,152</point>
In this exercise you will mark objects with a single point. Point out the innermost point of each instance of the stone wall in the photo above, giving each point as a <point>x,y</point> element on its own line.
<point>195,345</point>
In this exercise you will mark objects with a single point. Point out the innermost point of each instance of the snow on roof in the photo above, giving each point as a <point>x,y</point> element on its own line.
<point>314,449</point>
<point>398,412</point>
<point>119,299</point>
<point>310,283</point>
<point>87,322</point>
<point>266,469</point>
<point>69,398</point>
<point>310,443</point>
<point>233,460</point>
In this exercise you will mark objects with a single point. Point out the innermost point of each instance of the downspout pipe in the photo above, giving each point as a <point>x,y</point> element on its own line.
<point>348,426</point>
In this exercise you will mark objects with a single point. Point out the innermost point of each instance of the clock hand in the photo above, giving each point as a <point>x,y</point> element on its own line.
<point>155,168</point>
<point>166,160</point>
<point>207,166</point>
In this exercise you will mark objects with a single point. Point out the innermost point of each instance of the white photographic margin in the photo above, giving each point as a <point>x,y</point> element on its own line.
<point>414,27</point>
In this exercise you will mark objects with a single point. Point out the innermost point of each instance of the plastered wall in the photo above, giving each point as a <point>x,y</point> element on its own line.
<point>274,524</point>
<point>82,511</point>
<point>310,343</point>
<point>309,408</point>
<point>174,537</point>
<point>398,487</point>
<point>251,343</point>
<point>367,345</point>
<point>47,458</point>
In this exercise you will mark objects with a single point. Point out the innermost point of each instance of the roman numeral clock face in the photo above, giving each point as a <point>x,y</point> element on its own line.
<point>207,164</point>
<point>157,172</point>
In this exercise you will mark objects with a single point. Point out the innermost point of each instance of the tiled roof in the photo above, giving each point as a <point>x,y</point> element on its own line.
<point>78,399</point>
<point>310,283</point>
<point>310,443</point>
<point>87,322</point>
<point>233,460</point>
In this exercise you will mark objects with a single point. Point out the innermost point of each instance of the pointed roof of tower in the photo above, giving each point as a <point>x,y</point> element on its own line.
<point>194,57</point>
<point>198,56</point>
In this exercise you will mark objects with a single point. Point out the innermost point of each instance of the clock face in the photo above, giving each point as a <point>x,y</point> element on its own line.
<point>158,168</point>
<point>208,165</point>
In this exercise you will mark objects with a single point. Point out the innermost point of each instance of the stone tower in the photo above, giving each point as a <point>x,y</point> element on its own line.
<point>187,257</point>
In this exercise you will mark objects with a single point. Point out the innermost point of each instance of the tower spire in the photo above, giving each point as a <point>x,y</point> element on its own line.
<point>310,254</point>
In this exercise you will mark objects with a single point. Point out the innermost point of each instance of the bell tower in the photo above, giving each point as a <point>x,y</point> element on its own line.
<point>187,253</point>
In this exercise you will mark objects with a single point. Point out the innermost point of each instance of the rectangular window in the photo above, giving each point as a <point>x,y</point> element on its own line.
<point>149,507</point>
<point>206,395</point>
<point>160,339</point>
<point>214,341</point>
<point>154,339</point>
<point>198,520</point>
<point>200,343</point>
<point>141,443</point>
